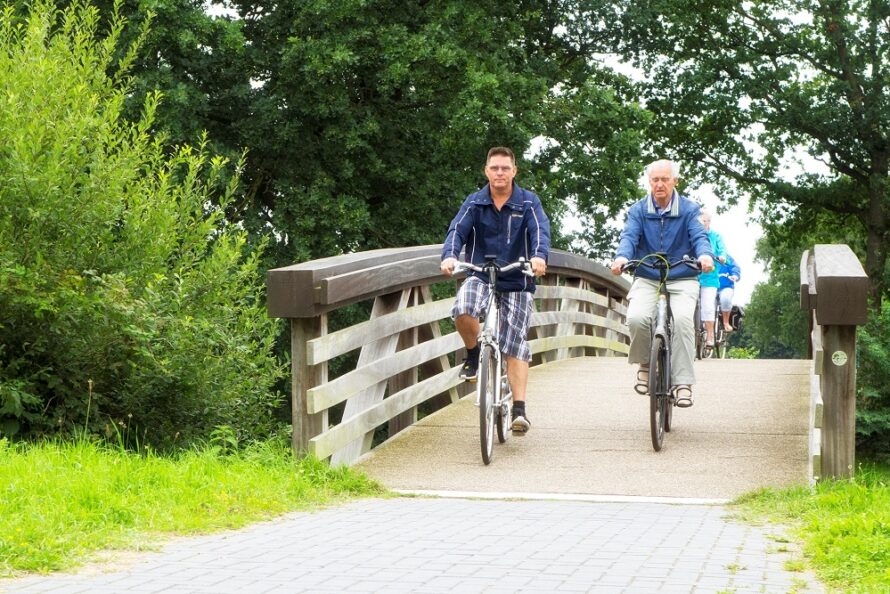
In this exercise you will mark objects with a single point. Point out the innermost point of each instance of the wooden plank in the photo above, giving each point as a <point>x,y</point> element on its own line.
<point>378,414</point>
<point>306,425</point>
<point>372,393</point>
<point>841,286</point>
<point>578,317</point>
<point>407,339</point>
<point>806,285</point>
<point>839,401</point>
<point>290,290</point>
<point>550,343</point>
<point>338,390</point>
<point>818,352</point>
<point>570,292</point>
<point>347,339</point>
<point>361,284</point>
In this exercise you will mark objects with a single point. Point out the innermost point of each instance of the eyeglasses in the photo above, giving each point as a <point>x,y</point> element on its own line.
<point>496,168</point>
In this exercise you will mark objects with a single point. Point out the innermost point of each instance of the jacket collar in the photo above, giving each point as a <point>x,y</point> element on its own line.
<point>514,201</point>
<point>674,207</point>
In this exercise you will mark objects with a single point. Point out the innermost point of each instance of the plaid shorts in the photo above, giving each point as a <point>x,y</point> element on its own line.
<point>515,312</point>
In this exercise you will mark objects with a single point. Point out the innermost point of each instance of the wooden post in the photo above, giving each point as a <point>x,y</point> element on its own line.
<point>304,377</point>
<point>839,401</point>
<point>834,284</point>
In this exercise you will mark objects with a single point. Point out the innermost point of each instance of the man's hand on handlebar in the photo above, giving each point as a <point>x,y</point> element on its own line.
<point>539,266</point>
<point>617,265</point>
<point>447,266</point>
<point>707,263</point>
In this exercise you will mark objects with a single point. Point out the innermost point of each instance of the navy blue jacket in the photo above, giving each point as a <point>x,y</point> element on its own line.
<point>519,230</point>
<point>677,232</point>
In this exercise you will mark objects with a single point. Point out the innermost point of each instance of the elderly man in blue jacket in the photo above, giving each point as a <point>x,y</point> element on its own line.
<point>509,221</point>
<point>664,221</point>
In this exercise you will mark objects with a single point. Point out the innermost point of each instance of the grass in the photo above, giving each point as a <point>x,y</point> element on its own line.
<point>843,527</point>
<point>63,502</point>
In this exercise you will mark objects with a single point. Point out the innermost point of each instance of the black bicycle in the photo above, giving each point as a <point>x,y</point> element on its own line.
<point>493,393</point>
<point>661,392</point>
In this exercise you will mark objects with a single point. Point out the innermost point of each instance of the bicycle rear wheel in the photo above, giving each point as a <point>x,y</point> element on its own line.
<point>502,414</point>
<point>486,384</point>
<point>699,333</point>
<point>719,341</point>
<point>659,397</point>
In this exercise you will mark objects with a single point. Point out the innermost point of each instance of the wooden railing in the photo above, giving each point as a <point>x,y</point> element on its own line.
<point>835,287</point>
<point>404,358</point>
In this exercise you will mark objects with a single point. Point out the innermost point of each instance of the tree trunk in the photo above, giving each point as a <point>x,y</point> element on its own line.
<point>876,248</point>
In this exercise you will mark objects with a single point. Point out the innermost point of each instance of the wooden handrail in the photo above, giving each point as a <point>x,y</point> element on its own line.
<point>834,288</point>
<point>404,358</point>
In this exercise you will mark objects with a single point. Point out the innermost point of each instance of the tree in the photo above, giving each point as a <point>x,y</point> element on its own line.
<point>366,123</point>
<point>739,88</point>
<point>125,297</point>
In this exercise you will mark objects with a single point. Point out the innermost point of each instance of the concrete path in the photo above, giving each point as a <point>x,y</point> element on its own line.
<point>462,546</point>
<point>590,435</point>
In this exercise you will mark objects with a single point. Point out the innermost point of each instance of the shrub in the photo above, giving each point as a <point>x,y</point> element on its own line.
<point>873,383</point>
<point>122,287</point>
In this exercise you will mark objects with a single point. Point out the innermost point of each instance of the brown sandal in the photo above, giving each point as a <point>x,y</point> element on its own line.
<point>642,385</point>
<point>683,396</point>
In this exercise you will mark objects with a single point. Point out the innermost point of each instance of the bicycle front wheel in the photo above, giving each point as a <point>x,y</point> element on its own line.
<point>659,397</point>
<point>487,385</point>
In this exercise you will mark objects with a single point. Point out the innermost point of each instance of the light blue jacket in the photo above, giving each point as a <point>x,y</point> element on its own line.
<point>676,232</point>
<point>712,279</point>
<point>731,268</point>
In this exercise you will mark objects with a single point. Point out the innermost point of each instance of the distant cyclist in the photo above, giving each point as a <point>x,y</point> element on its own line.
<point>729,273</point>
<point>709,281</point>
<point>664,221</point>
<point>508,221</point>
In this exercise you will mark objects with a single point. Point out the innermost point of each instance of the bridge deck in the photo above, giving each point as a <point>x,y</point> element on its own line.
<point>590,435</point>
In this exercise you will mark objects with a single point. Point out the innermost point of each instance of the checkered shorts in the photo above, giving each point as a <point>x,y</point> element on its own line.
<point>515,312</point>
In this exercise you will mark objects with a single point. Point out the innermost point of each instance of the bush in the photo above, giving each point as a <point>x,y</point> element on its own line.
<point>873,383</point>
<point>122,288</point>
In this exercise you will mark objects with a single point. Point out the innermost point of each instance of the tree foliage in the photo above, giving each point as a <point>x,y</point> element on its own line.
<point>740,88</point>
<point>123,291</point>
<point>367,123</point>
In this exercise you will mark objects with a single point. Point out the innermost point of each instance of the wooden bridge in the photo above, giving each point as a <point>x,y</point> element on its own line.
<point>359,385</point>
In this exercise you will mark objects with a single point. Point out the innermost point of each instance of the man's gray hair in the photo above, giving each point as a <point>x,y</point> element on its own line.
<point>675,167</point>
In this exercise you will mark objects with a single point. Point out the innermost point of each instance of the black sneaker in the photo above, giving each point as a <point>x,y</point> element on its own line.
<point>521,423</point>
<point>470,367</point>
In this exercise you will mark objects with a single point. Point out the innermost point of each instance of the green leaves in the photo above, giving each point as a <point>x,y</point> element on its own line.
<point>118,266</point>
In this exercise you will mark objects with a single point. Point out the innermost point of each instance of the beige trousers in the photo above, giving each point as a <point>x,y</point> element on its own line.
<point>641,314</point>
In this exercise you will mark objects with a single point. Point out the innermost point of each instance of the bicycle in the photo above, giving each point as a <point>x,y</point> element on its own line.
<point>493,393</point>
<point>660,389</point>
<point>719,349</point>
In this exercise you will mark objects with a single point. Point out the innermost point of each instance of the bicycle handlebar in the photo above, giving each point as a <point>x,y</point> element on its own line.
<point>522,263</point>
<point>660,263</point>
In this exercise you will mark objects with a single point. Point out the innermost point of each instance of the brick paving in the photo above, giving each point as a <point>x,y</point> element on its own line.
<point>445,545</point>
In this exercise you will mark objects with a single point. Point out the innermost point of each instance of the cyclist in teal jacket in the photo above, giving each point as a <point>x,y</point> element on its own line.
<point>508,221</point>
<point>710,281</point>
<point>664,221</point>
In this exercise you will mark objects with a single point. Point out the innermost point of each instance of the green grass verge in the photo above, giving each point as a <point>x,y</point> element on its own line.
<point>60,503</point>
<point>843,526</point>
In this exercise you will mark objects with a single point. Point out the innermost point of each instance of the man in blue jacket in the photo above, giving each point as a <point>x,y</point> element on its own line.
<point>509,221</point>
<point>664,221</point>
